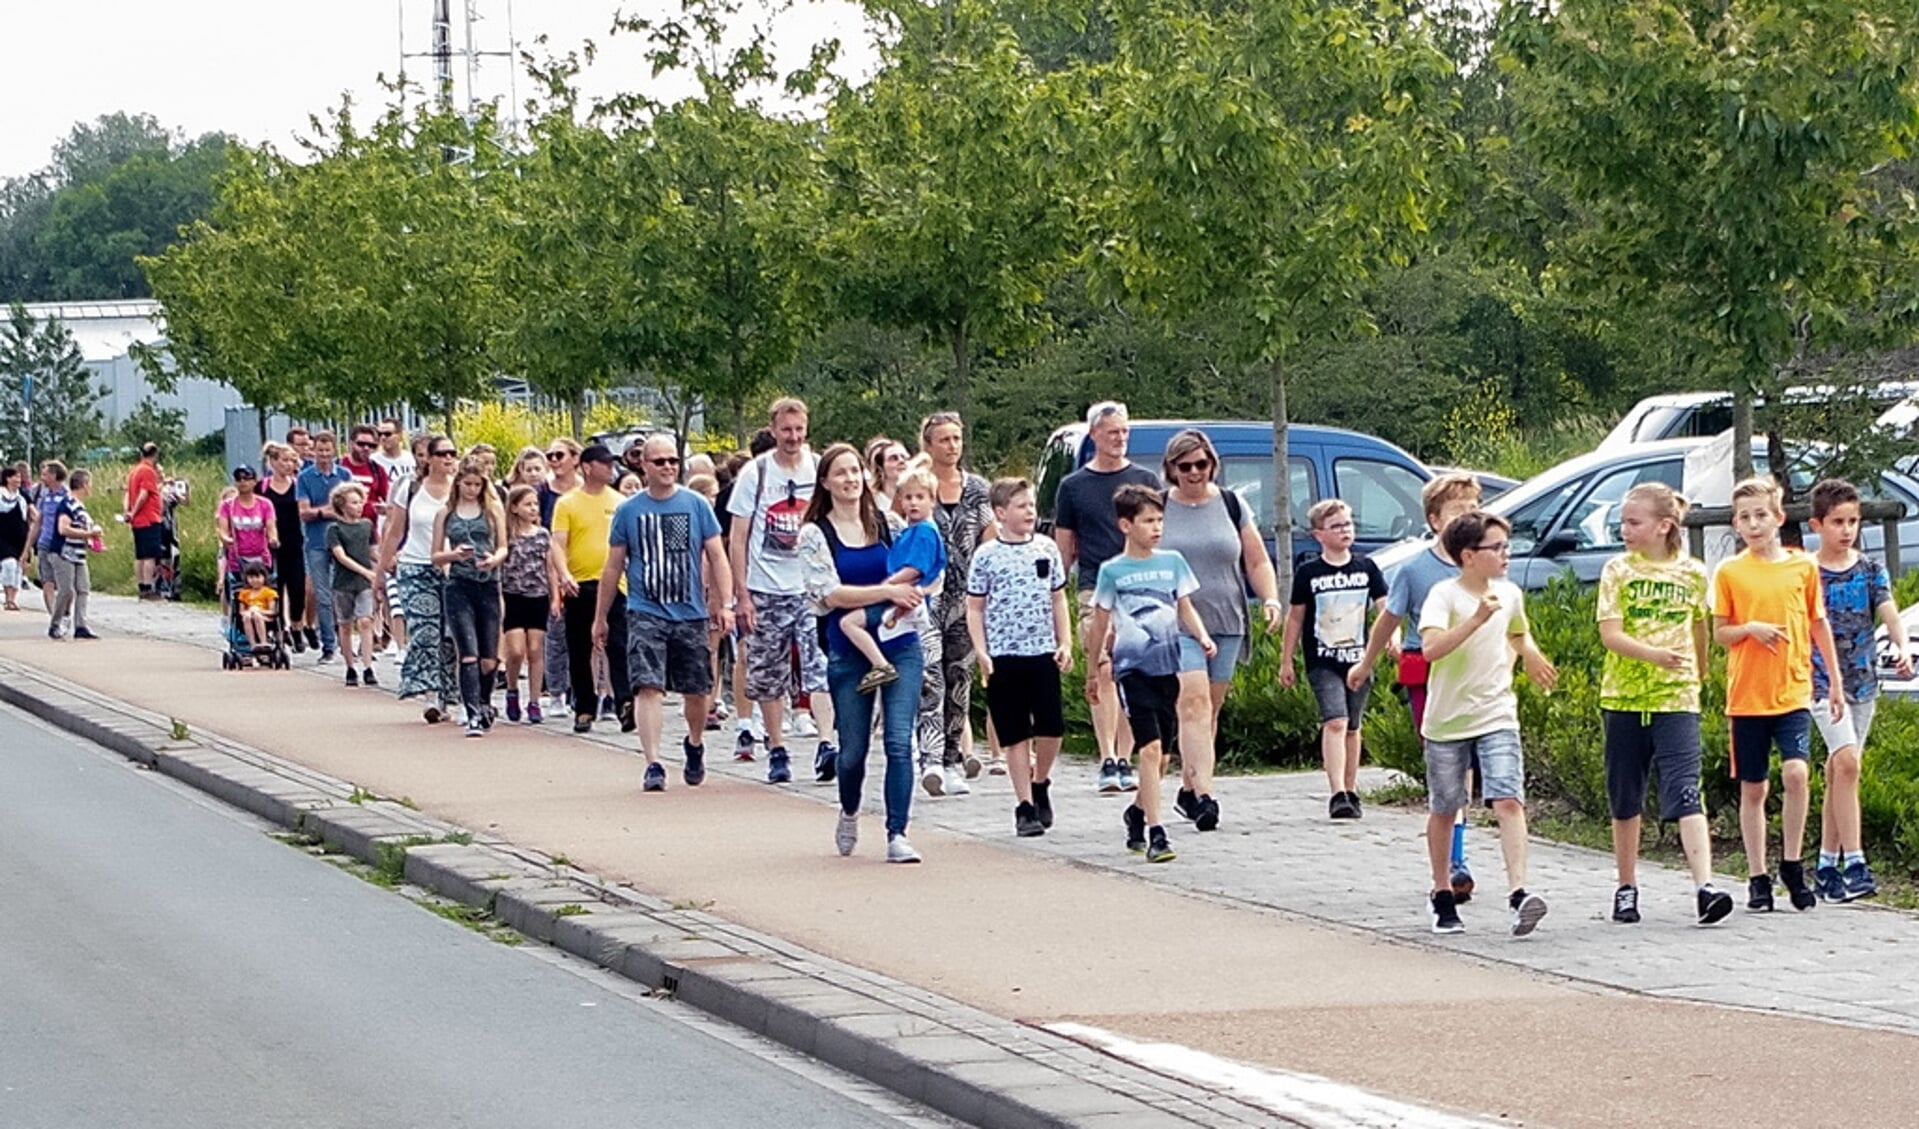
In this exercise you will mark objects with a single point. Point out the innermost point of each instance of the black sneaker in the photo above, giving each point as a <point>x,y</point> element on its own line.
<point>628,723</point>
<point>826,763</point>
<point>582,723</point>
<point>367,679</point>
<point>1158,849</point>
<point>1445,913</point>
<point>1352,801</point>
<point>1625,905</point>
<point>1792,872</point>
<point>1186,803</point>
<point>1527,910</point>
<point>1208,817</point>
<point>655,778</point>
<point>1043,802</point>
<point>779,770</point>
<point>1342,806</point>
<point>352,677</point>
<point>1759,893</point>
<point>1714,905</point>
<point>1135,819</point>
<point>1026,822</point>
<point>299,642</point>
<point>693,762</point>
<point>313,639</point>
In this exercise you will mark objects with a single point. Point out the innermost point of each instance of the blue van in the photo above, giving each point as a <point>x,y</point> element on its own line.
<point>1378,480</point>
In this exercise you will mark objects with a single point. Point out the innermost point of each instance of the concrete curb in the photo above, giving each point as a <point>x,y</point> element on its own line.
<point>967,1064</point>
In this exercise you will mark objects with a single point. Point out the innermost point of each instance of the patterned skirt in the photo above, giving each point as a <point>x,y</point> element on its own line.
<point>428,667</point>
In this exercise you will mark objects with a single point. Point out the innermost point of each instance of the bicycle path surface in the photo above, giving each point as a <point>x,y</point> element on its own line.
<point>1282,940</point>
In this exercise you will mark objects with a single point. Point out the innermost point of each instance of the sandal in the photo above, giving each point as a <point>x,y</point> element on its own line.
<point>877,677</point>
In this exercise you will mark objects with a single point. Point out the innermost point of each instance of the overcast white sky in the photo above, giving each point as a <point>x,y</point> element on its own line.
<point>258,68</point>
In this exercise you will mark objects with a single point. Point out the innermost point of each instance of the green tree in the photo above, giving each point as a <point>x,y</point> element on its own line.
<point>1730,159</point>
<point>60,418</point>
<point>950,214</point>
<point>1261,160</point>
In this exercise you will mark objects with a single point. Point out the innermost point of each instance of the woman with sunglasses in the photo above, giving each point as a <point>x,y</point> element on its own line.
<point>965,519</point>
<point>1215,531</point>
<point>406,553</point>
<point>885,460</point>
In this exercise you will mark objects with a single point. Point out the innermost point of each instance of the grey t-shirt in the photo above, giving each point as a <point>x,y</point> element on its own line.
<point>1084,505</point>
<point>356,537</point>
<point>1207,537</point>
<point>1410,586</point>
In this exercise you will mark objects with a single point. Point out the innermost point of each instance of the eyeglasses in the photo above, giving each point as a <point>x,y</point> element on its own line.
<point>1501,547</point>
<point>1337,527</point>
<point>1197,464</point>
<point>896,457</point>
<point>448,452</point>
<point>665,460</point>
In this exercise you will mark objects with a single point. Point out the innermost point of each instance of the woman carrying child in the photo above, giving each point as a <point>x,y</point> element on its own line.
<point>528,591</point>
<point>469,540</point>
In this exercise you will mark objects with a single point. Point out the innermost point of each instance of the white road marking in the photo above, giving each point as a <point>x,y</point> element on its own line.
<point>1318,1102</point>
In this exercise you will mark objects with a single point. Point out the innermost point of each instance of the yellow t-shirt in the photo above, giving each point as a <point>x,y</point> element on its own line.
<point>585,520</point>
<point>1762,682</point>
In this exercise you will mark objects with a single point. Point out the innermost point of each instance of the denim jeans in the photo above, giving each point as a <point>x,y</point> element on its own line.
<point>853,713</point>
<point>320,569</point>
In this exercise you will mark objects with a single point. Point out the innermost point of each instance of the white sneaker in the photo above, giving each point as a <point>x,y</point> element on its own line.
<point>933,779</point>
<point>996,766</point>
<point>846,835</point>
<point>804,726</point>
<point>899,850</point>
<point>956,784</point>
<point>972,765</point>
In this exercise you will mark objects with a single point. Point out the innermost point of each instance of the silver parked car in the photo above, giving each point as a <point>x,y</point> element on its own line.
<point>1567,519</point>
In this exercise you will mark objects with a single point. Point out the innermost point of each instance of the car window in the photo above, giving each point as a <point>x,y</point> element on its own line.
<point>1252,476</point>
<point>1384,498</point>
<point>1532,521</point>
<point>1594,522</point>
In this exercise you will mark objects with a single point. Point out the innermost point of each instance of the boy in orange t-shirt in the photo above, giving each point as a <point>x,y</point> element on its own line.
<point>1768,612</point>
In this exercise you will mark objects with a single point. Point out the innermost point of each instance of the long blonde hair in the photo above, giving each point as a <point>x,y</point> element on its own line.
<point>1665,504</point>
<point>475,467</point>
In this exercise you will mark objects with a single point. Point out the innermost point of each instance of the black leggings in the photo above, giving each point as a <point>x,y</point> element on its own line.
<point>290,568</point>
<point>472,610</point>
<point>579,647</point>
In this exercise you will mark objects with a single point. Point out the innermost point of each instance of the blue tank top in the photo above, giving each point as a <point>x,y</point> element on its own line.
<point>858,568</point>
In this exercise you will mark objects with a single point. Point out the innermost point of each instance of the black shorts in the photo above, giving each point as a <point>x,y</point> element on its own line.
<point>668,654</point>
<point>526,613</point>
<point>1638,744</point>
<point>149,542</point>
<point>1151,702</point>
<point>1753,739</point>
<point>1023,698</point>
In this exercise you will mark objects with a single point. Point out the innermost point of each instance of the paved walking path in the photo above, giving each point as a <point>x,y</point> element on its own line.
<point>1281,939</point>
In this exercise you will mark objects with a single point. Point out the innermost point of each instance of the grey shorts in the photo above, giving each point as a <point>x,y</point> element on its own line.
<point>1502,770</point>
<point>1640,744</point>
<point>1221,666</point>
<point>1848,730</point>
<point>668,654</point>
<point>782,624</point>
<point>1336,702</point>
<point>349,606</point>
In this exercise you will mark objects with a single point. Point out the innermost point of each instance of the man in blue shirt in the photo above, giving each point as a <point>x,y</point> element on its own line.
<point>314,489</point>
<point>666,543</point>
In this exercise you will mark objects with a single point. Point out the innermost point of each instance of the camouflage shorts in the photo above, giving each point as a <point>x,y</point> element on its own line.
<point>781,624</point>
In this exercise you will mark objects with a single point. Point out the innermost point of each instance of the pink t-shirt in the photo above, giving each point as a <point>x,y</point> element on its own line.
<point>250,525</point>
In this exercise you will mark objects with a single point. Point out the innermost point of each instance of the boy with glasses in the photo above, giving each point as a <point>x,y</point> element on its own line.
<point>1331,594</point>
<point>1469,628</point>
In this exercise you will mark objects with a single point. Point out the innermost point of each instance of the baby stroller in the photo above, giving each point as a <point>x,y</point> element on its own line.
<point>166,574</point>
<point>241,652</point>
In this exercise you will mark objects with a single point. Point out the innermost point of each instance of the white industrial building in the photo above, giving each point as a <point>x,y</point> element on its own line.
<point>106,332</point>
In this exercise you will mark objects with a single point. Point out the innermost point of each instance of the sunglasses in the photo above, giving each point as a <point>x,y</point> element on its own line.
<point>1197,464</point>
<point>665,461</point>
<point>448,452</point>
<point>556,456</point>
<point>386,434</point>
<point>364,444</point>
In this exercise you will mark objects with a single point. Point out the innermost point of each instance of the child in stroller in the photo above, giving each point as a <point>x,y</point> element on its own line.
<point>259,606</point>
<point>256,627</point>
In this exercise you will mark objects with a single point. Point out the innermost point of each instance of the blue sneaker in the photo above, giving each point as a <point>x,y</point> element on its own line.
<point>1829,883</point>
<point>693,763</point>
<point>1859,882</point>
<point>826,761</point>
<point>778,767</point>
<point>1109,776</point>
<point>655,778</point>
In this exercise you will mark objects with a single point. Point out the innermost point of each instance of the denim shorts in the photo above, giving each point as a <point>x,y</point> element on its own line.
<point>1502,770</point>
<point>1753,739</point>
<point>1336,702</point>
<point>1221,666</point>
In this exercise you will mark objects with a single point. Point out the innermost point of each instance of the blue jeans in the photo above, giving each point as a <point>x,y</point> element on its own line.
<point>320,569</point>
<point>853,714</point>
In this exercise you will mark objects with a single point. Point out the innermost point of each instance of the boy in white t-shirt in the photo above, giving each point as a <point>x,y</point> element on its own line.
<point>1469,629</point>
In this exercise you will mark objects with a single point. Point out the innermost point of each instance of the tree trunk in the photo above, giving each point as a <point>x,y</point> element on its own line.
<point>1282,485</point>
<point>962,371</point>
<point>1741,429</point>
<point>576,416</point>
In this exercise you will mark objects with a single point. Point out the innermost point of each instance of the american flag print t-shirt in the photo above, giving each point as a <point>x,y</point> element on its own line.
<point>665,542</point>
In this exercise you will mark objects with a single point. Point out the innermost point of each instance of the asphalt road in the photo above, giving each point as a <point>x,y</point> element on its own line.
<point>163,964</point>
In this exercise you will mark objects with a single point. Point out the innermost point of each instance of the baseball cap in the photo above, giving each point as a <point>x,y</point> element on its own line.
<point>597,453</point>
<point>244,471</point>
